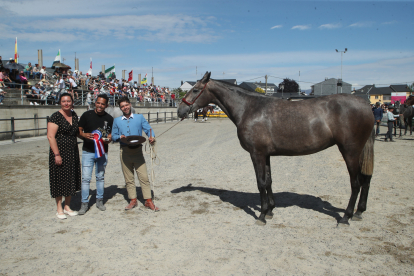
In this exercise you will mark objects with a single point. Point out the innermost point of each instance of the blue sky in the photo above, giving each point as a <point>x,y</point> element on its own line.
<point>242,40</point>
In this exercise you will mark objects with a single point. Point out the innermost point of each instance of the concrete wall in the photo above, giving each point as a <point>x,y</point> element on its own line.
<point>30,111</point>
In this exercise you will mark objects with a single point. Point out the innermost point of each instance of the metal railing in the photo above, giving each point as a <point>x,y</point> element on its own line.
<point>13,127</point>
<point>158,117</point>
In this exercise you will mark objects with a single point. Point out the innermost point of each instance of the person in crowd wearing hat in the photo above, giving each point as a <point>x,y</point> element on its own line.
<point>131,155</point>
<point>378,114</point>
<point>92,154</point>
<point>391,120</point>
<point>36,72</point>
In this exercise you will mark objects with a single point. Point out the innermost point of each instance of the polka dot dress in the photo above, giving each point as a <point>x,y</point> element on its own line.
<point>65,180</point>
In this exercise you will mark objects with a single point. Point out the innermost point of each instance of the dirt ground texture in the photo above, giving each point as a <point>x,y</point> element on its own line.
<point>206,189</point>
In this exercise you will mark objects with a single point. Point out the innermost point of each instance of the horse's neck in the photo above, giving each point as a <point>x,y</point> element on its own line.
<point>231,102</point>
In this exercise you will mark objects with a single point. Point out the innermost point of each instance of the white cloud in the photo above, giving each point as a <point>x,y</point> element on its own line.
<point>361,24</point>
<point>301,27</point>
<point>174,28</point>
<point>276,27</point>
<point>330,26</point>
<point>360,67</point>
<point>389,23</point>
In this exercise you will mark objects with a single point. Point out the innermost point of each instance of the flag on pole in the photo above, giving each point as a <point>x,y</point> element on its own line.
<point>130,76</point>
<point>16,54</point>
<point>90,69</point>
<point>144,80</point>
<point>109,72</point>
<point>57,59</point>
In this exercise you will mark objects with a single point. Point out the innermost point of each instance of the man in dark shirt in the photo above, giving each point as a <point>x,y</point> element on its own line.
<point>92,120</point>
<point>378,113</point>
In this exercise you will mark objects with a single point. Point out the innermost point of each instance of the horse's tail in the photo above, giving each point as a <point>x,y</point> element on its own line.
<point>366,160</point>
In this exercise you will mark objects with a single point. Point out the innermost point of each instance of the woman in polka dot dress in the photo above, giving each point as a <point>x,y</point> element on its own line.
<point>64,164</point>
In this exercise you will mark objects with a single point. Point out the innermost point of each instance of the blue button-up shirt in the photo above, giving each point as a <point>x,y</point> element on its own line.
<point>132,126</point>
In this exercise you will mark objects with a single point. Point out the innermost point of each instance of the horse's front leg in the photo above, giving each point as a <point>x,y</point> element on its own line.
<point>259,163</point>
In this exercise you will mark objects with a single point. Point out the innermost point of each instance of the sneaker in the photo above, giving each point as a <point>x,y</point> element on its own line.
<point>31,103</point>
<point>83,209</point>
<point>36,103</point>
<point>100,205</point>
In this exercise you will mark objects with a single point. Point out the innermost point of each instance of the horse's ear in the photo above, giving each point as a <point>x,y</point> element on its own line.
<point>206,77</point>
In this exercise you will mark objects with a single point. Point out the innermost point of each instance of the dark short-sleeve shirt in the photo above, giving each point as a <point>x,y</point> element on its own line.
<point>91,121</point>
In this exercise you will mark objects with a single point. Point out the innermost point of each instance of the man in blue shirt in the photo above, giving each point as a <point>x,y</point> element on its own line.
<point>131,156</point>
<point>378,113</point>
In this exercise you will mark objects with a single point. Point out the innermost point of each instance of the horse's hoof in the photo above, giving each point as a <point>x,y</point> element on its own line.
<point>343,224</point>
<point>357,217</point>
<point>260,222</point>
<point>269,215</point>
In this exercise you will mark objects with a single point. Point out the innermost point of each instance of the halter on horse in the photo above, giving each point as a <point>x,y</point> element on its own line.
<point>267,126</point>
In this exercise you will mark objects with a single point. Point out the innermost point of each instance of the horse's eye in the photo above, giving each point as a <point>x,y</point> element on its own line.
<point>195,90</point>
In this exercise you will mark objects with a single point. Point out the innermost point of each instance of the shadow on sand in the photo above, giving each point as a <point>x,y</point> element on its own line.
<point>109,193</point>
<point>250,201</point>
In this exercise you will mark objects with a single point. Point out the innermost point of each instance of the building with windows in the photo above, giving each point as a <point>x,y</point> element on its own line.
<point>331,86</point>
<point>385,95</point>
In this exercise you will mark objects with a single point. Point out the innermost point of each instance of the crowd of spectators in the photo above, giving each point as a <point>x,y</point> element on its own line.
<point>48,87</point>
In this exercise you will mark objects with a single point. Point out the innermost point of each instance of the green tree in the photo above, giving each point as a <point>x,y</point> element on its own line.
<point>289,86</point>
<point>259,90</point>
<point>179,94</point>
<point>411,88</point>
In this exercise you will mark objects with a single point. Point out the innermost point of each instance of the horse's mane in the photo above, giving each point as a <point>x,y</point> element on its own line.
<point>237,88</point>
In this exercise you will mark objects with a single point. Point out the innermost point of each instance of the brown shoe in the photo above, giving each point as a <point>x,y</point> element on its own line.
<point>150,205</point>
<point>132,204</point>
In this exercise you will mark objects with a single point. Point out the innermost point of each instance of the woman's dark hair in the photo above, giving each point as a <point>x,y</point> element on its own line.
<point>103,96</point>
<point>123,99</point>
<point>63,95</point>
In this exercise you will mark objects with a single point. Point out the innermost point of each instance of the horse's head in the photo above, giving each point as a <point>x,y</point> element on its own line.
<point>197,97</point>
<point>409,101</point>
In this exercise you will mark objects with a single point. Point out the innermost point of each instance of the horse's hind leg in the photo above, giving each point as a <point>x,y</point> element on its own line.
<point>270,197</point>
<point>364,181</point>
<point>259,163</point>
<point>352,163</point>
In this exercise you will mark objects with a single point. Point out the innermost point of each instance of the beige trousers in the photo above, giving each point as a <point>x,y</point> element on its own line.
<point>133,159</point>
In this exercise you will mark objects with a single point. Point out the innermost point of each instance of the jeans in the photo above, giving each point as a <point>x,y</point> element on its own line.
<point>37,74</point>
<point>88,160</point>
<point>27,73</point>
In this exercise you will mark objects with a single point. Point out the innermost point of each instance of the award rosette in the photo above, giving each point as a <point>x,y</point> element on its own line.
<point>99,145</point>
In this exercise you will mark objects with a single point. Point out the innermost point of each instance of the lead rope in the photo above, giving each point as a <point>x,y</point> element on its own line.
<point>154,157</point>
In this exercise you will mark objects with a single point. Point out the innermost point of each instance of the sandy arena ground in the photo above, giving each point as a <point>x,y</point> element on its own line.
<point>206,189</point>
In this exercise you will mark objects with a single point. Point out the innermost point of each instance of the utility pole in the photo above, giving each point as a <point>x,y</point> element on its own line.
<point>340,83</point>
<point>266,85</point>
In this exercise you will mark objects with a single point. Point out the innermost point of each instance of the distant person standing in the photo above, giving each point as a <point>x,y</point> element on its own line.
<point>378,114</point>
<point>391,120</point>
<point>60,84</point>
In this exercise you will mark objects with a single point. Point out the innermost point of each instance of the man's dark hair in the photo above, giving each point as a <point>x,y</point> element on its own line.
<point>104,96</point>
<point>63,95</point>
<point>123,99</point>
